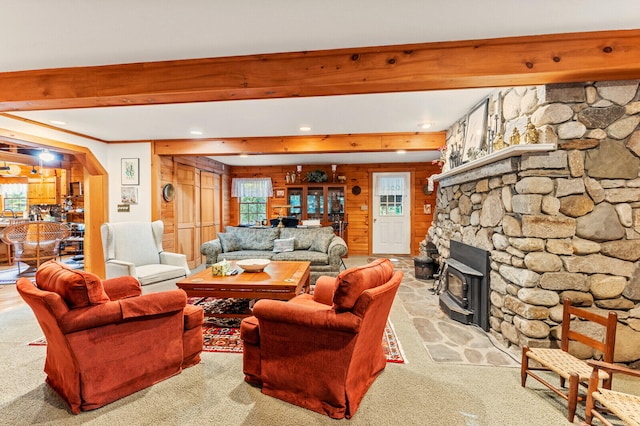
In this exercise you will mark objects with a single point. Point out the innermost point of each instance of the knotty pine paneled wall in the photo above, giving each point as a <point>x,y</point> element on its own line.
<point>358,235</point>
<point>167,211</point>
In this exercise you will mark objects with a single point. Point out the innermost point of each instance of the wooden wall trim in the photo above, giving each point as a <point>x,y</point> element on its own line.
<point>512,61</point>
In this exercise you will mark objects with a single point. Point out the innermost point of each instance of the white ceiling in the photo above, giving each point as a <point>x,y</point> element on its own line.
<point>68,33</point>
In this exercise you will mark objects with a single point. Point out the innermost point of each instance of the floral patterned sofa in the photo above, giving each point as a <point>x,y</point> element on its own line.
<point>320,246</point>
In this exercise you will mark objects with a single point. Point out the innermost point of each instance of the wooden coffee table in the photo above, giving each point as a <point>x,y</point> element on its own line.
<point>279,280</point>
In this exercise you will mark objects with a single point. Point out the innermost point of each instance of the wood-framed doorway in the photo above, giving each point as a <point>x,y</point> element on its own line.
<point>96,190</point>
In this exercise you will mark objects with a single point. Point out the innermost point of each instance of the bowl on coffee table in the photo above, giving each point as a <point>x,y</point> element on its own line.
<point>253,265</point>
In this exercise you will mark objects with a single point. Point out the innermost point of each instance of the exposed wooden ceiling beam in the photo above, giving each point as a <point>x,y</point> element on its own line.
<point>513,61</point>
<point>303,144</point>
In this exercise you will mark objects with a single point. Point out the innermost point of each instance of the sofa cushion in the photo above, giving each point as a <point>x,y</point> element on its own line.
<point>281,245</point>
<point>228,241</point>
<point>353,281</point>
<point>246,254</point>
<point>78,289</point>
<point>315,257</point>
<point>304,236</point>
<point>254,238</point>
<point>149,274</point>
<point>321,242</point>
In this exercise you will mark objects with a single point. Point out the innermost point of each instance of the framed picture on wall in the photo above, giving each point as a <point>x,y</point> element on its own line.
<point>129,195</point>
<point>130,171</point>
<point>278,192</point>
<point>475,131</point>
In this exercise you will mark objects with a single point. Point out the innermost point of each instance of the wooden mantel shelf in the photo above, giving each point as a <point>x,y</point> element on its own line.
<point>512,151</point>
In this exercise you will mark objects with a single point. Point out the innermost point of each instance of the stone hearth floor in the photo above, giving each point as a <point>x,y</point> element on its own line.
<point>446,340</point>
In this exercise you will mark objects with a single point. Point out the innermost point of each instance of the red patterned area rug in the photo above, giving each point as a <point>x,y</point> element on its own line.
<point>223,334</point>
<point>227,339</point>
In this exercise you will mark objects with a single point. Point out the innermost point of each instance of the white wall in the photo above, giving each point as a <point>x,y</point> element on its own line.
<point>142,210</point>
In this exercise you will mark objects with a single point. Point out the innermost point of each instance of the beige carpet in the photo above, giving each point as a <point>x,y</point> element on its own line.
<point>420,392</point>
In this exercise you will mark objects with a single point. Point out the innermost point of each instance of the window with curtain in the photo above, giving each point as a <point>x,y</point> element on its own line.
<point>252,196</point>
<point>14,196</point>
<point>251,187</point>
<point>391,191</point>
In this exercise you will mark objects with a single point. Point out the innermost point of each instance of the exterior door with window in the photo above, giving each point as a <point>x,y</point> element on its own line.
<point>391,213</point>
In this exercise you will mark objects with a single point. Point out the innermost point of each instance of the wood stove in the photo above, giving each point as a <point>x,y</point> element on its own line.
<point>466,295</point>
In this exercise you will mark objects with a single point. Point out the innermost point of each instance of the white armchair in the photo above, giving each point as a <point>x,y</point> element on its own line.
<point>135,248</point>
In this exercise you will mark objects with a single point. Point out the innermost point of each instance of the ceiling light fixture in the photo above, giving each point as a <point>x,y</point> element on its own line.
<point>424,125</point>
<point>196,132</point>
<point>401,152</point>
<point>45,155</point>
<point>305,128</point>
<point>244,155</point>
<point>58,122</point>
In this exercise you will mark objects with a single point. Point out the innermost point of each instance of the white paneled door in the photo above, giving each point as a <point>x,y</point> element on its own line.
<point>391,213</point>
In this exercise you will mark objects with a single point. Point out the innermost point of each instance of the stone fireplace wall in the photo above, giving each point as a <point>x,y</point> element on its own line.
<point>560,224</point>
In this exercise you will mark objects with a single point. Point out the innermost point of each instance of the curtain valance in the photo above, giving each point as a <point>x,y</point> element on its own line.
<point>251,187</point>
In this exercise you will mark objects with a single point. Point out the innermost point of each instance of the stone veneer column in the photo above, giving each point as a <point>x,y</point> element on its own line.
<point>560,224</point>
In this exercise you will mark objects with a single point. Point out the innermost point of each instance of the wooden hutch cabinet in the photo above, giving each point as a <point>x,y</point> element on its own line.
<point>319,201</point>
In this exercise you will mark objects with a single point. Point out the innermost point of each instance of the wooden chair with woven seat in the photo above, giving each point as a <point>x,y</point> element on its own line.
<point>623,405</point>
<point>35,242</point>
<point>567,366</point>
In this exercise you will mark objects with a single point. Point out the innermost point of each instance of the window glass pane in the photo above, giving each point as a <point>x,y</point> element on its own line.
<point>14,196</point>
<point>252,210</point>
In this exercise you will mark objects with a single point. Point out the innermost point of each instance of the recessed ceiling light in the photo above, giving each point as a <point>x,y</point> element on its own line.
<point>305,128</point>
<point>244,155</point>
<point>424,125</point>
<point>58,122</point>
<point>401,151</point>
<point>196,132</point>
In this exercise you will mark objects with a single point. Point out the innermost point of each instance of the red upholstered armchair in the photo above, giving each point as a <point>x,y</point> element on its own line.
<point>104,339</point>
<point>322,351</point>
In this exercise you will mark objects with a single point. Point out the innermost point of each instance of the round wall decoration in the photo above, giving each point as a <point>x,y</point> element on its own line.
<point>11,170</point>
<point>356,190</point>
<point>168,192</point>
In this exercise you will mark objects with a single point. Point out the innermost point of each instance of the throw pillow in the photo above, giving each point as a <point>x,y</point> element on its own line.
<point>78,288</point>
<point>229,242</point>
<point>321,242</point>
<point>282,245</point>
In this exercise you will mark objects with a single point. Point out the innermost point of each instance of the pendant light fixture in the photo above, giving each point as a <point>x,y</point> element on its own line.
<point>45,155</point>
